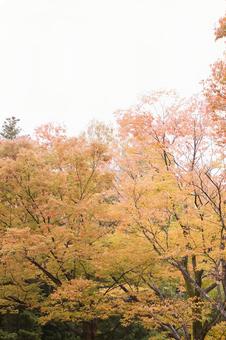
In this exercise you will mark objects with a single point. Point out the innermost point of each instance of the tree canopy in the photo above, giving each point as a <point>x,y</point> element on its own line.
<point>117,235</point>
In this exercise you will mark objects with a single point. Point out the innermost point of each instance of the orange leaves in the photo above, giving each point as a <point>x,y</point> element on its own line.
<point>220,31</point>
<point>215,88</point>
<point>74,291</point>
<point>160,116</point>
<point>88,232</point>
<point>170,190</point>
<point>48,133</point>
<point>79,300</point>
<point>52,213</point>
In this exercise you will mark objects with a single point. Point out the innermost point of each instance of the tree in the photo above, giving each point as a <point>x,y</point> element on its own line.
<point>94,235</point>
<point>10,129</point>
<point>171,195</point>
<point>215,87</point>
<point>120,237</point>
<point>53,211</point>
<point>220,31</point>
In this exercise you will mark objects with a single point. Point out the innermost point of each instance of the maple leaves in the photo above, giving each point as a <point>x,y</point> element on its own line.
<point>215,92</point>
<point>174,201</point>
<point>215,87</point>
<point>138,233</point>
<point>140,237</point>
<point>220,31</point>
<point>128,225</point>
<point>52,204</point>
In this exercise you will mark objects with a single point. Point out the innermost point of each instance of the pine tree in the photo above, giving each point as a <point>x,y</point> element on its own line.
<point>10,129</point>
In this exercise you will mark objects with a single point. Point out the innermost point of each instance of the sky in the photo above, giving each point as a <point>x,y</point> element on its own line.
<point>71,61</point>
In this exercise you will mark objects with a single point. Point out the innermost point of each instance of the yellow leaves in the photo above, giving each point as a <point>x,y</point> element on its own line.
<point>77,300</point>
<point>52,205</point>
<point>44,184</point>
<point>86,237</point>
<point>124,253</point>
<point>154,313</point>
<point>217,332</point>
<point>74,291</point>
<point>9,149</point>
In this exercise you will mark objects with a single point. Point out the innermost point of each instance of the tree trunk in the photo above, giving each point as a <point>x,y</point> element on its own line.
<point>197,330</point>
<point>89,330</point>
<point>224,276</point>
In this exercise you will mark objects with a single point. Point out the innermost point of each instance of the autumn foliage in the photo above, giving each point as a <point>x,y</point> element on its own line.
<point>112,230</point>
<point>215,85</point>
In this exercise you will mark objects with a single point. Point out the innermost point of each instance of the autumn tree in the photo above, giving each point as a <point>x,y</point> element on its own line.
<point>215,86</point>
<point>171,195</point>
<point>128,234</point>
<point>118,235</point>
<point>53,210</point>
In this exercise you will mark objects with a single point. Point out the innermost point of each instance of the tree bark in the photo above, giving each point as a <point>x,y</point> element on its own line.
<point>89,330</point>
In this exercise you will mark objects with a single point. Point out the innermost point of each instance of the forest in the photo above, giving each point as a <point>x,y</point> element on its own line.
<point>118,233</point>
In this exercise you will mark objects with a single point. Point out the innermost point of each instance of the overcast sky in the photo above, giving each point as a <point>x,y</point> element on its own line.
<point>70,61</point>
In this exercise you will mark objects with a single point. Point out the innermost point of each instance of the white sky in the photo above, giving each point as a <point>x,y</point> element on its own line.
<point>74,60</point>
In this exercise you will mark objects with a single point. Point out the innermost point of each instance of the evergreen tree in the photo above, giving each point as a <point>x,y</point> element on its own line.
<point>10,129</point>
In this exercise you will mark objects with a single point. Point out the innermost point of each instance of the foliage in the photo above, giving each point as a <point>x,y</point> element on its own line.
<point>10,129</point>
<point>91,237</point>
<point>117,235</point>
<point>215,87</point>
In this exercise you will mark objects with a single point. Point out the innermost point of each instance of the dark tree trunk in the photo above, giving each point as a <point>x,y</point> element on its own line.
<point>197,331</point>
<point>89,330</point>
<point>224,276</point>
